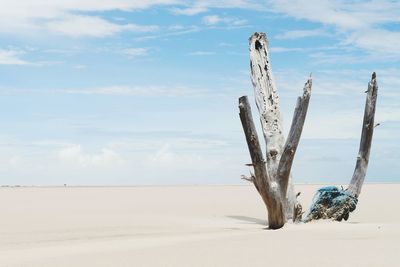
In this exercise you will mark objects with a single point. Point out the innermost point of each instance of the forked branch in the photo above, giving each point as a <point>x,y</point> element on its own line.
<point>334,203</point>
<point>268,189</point>
<point>293,139</point>
<point>366,138</point>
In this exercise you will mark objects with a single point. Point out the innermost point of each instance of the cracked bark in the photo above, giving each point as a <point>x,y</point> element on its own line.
<point>272,176</point>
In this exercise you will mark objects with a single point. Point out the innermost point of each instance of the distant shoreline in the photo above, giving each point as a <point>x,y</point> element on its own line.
<point>178,185</point>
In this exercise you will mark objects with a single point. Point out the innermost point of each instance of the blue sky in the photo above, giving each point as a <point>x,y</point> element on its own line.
<point>135,92</point>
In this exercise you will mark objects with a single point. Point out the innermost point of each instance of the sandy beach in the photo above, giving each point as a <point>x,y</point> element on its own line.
<point>188,226</point>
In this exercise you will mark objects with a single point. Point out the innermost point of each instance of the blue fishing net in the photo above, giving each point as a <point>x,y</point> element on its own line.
<point>333,203</point>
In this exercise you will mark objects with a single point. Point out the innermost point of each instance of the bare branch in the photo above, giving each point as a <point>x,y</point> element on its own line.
<point>252,142</point>
<point>331,202</point>
<point>268,191</point>
<point>248,178</point>
<point>300,112</point>
<point>366,138</point>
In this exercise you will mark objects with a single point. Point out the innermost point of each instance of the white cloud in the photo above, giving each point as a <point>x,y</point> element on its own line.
<point>376,40</point>
<point>335,83</point>
<point>278,49</point>
<point>347,124</point>
<point>166,156</point>
<point>322,57</point>
<point>358,23</point>
<point>300,34</point>
<point>50,143</point>
<point>60,16</point>
<point>224,44</point>
<point>202,53</point>
<point>74,154</point>
<point>201,6</point>
<point>117,162</point>
<point>138,91</point>
<point>169,160</point>
<point>169,90</point>
<point>174,30</point>
<point>345,15</point>
<point>338,99</point>
<point>8,162</point>
<point>176,27</point>
<point>190,11</point>
<point>177,142</point>
<point>134,52</point>
<point>80,67</point>
<point>215,19</point>
<point>11,57</point>
<point>78,26</point>
<point>211,20</point>
<point>81,18</point>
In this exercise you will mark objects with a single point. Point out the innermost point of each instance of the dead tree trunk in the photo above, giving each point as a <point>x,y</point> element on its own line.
<point>272,177</point>
<point>268,190</point>
<point>336,204</point>
<point>274,180</point>
<point>267,101</point>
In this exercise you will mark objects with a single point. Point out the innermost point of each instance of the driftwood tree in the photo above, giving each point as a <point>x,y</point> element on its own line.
<point>272,177</point>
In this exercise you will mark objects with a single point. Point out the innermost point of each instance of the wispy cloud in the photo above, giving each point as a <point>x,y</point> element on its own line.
<point>12,57</point>
<point>230,21</point>
<point>135,52</point>
<point>278,49</point>
<point>76,19</point>
<point>79,66</point>
<point>150,141</point>
<point>90,26</point>
<point>74,154</point>
<point>171,91</point>
<point>300,34</point>
<point>360,24</point>
<point>224,44</point>
<point>201,6</point>
<point>142,91</point>
<point>345,15</point>
<point>202,53</point>
<point>190,11</point>
<point>381,41</point>
<point>173,30</point>
<point>212,20</point>
<point>61,17</point>
<point>81,18</point>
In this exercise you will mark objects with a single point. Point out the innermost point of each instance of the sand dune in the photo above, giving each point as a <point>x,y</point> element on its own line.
<point>188,226</point>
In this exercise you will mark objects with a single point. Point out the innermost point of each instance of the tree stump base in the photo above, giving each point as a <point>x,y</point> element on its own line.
<point>272,175</point>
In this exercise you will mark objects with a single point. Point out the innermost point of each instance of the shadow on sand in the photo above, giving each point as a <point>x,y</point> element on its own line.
<point>248,219</point>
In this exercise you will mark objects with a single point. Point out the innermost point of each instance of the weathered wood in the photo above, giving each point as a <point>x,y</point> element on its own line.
<point>272,178</point>
<point>366,138</point>
<point>267,101</point>
<point>336,204</point>
<point>293,139</point>
<point>268,189</point>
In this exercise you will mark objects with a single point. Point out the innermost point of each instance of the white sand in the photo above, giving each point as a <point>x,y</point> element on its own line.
<point>188,226</point>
